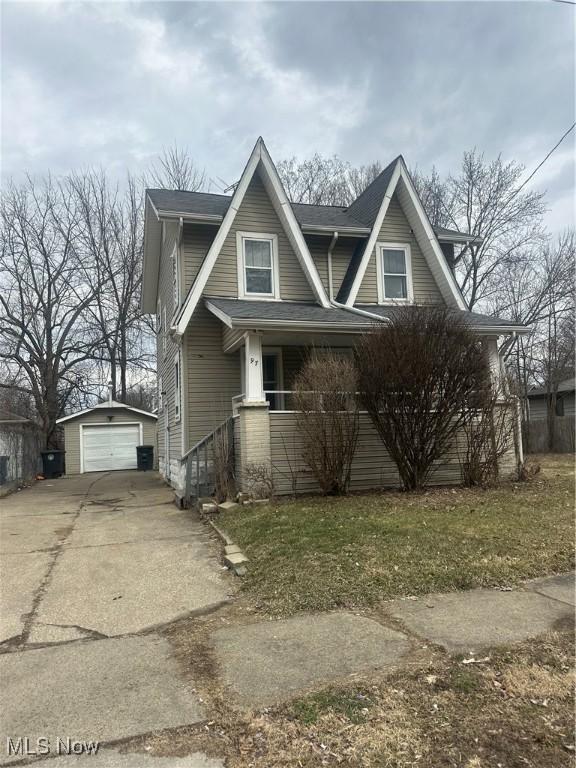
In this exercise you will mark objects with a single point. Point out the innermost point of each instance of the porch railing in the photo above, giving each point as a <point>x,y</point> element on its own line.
<point>200,477</point>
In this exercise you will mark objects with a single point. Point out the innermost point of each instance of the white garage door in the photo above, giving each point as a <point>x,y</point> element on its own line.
<point>110,446</point>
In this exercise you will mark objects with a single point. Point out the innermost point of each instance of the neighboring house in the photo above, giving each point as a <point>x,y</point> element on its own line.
<point>19,450</point>
<point>243,285</point>
<point>105,437</point>
<point>538,400</point>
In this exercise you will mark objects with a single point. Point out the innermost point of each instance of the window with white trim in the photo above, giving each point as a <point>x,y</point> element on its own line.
<point>394,273</point>
<point>177,387</point>
<point>158,317</point>
<point>258,265</point>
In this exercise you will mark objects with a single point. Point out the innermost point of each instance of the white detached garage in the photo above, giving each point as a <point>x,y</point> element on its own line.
<point>105,437</point>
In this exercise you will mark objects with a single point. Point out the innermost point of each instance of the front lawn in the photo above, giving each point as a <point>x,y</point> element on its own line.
<point>316,553</point>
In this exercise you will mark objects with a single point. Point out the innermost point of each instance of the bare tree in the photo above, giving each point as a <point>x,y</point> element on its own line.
<point>325,398</point>
<point>111,234</point>
<point>325,180</point>
<point>538,290</point>
<point>418,378</point>
<point>176,169</point>
<point>484,200</point>
<point>44,297</point>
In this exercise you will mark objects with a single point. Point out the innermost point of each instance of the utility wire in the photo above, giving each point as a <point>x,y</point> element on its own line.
<point>554,148</point>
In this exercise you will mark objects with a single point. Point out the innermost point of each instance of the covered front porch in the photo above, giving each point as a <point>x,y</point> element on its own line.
<point>269,342</point>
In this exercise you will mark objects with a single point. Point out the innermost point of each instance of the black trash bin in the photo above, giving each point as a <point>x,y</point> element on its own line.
<point>53,463</point>
<point>145,457</point>
<point>4,469</point>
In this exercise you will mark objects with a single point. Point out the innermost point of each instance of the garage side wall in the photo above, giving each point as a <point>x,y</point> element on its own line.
<point>103,416</point>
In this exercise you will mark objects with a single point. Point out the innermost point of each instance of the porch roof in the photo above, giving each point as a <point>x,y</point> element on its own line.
<point>477,321</point>
<point>242,313</point>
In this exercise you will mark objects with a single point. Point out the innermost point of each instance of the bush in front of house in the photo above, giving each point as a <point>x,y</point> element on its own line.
<point>328,423</point>
<point>420,378</point>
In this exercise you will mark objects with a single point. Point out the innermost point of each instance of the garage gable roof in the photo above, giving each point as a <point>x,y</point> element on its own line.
<point>107,405</point>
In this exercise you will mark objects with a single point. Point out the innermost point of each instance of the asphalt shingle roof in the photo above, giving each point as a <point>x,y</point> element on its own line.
<point>360,215</point>
<point>288,311</point>
<point>298,311</point>
<point>476,319</point>
<point>568,385</point>
<point>367,205</point>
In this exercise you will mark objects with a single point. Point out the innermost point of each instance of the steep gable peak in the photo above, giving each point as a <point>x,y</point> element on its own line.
<point>366,206</point>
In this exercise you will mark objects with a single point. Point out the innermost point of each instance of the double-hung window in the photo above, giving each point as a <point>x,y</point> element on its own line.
<point>258,265</point>
<point>394,273</point>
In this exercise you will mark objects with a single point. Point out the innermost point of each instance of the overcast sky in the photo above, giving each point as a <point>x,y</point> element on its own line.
<point>110,83</point>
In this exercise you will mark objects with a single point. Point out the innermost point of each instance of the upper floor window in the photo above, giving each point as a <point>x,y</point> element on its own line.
<point>258,265</point>
<point>394,273</point>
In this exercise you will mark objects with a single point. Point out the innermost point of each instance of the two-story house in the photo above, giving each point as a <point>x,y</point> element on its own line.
<point>243,285</point>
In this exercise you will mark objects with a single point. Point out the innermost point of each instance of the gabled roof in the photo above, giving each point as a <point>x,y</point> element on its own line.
<point>568,385</point>
<point>359,219</point>
<point>368,204</point>
<point>106,405</point>
<point>261,162</point>
<point>396,179</point>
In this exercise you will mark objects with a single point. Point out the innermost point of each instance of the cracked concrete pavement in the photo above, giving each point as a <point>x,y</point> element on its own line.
<point>89,566</point>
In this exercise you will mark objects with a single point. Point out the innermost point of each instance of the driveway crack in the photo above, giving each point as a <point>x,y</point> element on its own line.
<point>56,551</point>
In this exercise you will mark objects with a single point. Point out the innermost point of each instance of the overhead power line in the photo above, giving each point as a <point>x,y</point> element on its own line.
<point>554,148</point>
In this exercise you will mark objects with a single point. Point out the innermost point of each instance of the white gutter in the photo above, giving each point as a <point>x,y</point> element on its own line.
<point>361,312</point>
<point>330,249</point>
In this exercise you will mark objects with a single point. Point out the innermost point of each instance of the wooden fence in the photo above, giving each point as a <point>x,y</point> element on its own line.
<point>535,435</point>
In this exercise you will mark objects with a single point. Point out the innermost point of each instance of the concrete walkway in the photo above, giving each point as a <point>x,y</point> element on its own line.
<point>266,663</point>
<point>89,566</point>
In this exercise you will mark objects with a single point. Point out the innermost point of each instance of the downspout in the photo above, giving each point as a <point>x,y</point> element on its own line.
<point>330,249</point>
<point>336,304</point>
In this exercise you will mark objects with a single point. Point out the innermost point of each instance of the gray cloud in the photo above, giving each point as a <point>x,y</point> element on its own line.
<point>109,84</point>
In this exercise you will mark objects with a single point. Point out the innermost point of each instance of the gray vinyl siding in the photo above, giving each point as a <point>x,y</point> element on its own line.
<point>212,378</point>
<point>341,255</point>
<point>102,416</point>
<point>231,336</point>
<point>196,242</point>
<point>165,360</point>
<point>539,409</point>
<point>372,466</point>
<point>257,214</point>
<point>396,229</point>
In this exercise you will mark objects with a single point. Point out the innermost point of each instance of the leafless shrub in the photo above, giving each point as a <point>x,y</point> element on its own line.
<point>488,437</point>
<point>223,465</point>
<point>528,470</point>
<point>258,480</point>
<point>325,398</point>
<point>418,378</point>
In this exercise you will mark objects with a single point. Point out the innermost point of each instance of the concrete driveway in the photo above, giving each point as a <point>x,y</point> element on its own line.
<point>89,566</point>
<point>103,554</point>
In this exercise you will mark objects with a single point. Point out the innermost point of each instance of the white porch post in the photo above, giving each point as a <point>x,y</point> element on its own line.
<point>254,382</point>
<point>491,347</point>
